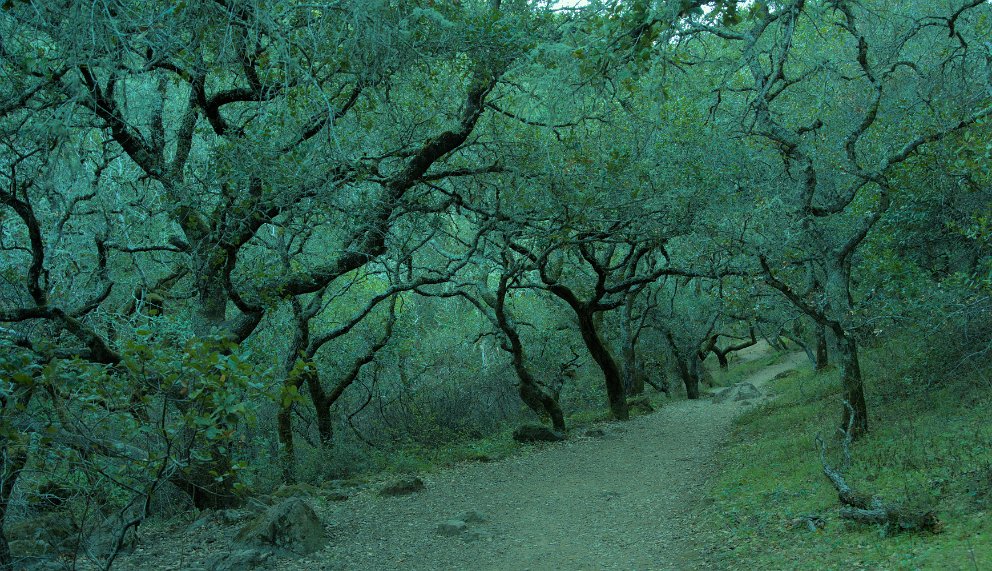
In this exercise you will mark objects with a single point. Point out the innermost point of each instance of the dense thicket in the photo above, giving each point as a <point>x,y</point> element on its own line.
<point>238,229</point>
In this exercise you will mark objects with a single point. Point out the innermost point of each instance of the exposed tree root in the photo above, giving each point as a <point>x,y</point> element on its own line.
<point>869,509</point>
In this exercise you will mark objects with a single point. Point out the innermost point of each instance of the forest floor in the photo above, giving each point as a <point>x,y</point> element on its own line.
<point>627,499</point>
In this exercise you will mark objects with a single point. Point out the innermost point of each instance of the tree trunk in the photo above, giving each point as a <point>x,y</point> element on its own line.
<point>298,370</point>
<point>298,374</point>
<point>611,372</point>
<point>691,387</point>
<point>837,288</point>
<point>6,559</point>
<point>630,374</point>
<point>536,397</point>
<point>284,428</point>
<point>540,400</point>
<point>13,457</point>
<point>721,357</point>
<point>13,463</point>
<point>322,403</point>
<point>693,377</point>
<point>325,426</point>
<point>822,356</point>
<point>212,298</point>
<point>633,377</point>
<point>687,367</point>
<point>201,482</point>
<point>854,389</point>
<point>638,383</point>
<point>531,393</point>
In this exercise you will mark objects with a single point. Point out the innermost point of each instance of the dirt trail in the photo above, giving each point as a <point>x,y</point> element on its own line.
<point>623,501</point>
<point>626,500</point>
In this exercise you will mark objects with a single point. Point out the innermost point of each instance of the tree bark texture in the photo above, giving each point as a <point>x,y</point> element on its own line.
<point>615,393</point>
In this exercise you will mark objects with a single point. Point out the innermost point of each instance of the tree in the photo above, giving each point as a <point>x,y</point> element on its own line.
<point>615,262</point>
<point>492,304</point>
<point>223,122</point>
<point>840,158</point>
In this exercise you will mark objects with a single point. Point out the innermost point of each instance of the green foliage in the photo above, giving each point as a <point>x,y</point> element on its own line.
<point>339,153</point>
<point>115,435</point>
<point>18,379</point>
<point>205,391</point>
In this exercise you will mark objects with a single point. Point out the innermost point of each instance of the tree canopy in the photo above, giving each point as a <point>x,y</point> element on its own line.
<point>236,226</point>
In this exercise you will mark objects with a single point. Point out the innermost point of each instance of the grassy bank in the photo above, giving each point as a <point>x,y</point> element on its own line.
<point>930,445</point>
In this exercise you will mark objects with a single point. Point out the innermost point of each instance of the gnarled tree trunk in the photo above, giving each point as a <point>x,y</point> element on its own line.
<point>633,375</point>
<point>10,469</point>
<point>612,376</point>
<point>853,384</point>
<point>822,355</point>
<point>535,396</point>
<point>688,366</point>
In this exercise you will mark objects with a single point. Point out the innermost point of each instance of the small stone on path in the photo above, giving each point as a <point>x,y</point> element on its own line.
<point>473,516</point>
<point>452,527</point>
<point>402,487</point>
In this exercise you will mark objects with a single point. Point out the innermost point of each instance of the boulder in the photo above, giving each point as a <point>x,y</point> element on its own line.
<point>291,525</point>
<point>402,486</point>
<point>746,391</point>
<point>530,433</point>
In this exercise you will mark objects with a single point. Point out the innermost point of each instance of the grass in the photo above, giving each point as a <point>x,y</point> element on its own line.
<point>928,446</point>
<point>740,371</point>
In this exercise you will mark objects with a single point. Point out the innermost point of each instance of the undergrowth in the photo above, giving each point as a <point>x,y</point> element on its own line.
<point>408,457</point>
<point>413,458</point>
<point>930,446</point>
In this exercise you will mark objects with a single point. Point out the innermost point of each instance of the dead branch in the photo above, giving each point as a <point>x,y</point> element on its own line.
<point>869,509</point>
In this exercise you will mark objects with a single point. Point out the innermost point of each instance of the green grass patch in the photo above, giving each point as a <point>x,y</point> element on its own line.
<point>928,446</point>
<point>412,458</point>
<point>740,371</point>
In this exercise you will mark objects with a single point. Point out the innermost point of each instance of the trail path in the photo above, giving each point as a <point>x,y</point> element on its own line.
<point>626,500</point>
<point>623,501</point>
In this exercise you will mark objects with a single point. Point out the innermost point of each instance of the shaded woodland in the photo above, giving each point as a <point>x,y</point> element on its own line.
<point>248,243</point>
